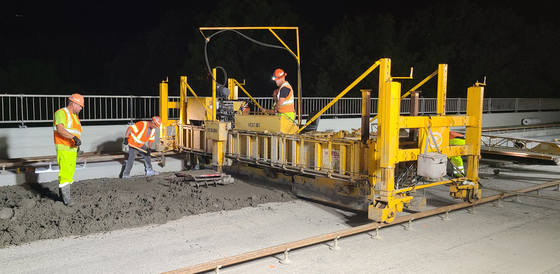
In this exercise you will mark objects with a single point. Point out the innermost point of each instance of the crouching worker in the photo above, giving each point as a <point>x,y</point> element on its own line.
<point>457,139</point>
<point>136,137</point>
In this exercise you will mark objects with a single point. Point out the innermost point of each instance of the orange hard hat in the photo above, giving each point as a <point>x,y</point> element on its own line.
<point>77,98</point>
<point>157,121</point>
<point>278,74</point>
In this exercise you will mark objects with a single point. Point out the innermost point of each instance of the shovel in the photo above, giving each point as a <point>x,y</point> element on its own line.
<point>162,157</point>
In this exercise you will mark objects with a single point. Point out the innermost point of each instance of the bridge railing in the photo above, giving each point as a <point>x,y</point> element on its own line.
<point>24,109</point>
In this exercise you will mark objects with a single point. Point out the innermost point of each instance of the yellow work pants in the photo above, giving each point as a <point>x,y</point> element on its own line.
<point>67,165</point>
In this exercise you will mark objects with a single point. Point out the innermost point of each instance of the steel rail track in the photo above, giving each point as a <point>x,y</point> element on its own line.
<point>217,264</point>
<point>524,194</point>
<point>86,157</point>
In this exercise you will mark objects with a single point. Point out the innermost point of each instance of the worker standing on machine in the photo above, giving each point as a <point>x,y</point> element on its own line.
<point>284,98</point>
<point>136,137</point>
<point>457,139</point>
<point>67,133</point>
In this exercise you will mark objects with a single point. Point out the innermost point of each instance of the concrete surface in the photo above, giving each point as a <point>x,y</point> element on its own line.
<point>518,238</point>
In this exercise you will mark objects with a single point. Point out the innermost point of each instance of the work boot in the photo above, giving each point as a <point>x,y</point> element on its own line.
<point>151,172</point>
<point>64,192</point>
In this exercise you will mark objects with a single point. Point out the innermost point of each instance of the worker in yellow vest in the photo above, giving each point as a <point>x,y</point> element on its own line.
<point>284,98</point>
<point>67,138</point>
<point>136,137</point>
<point>457,139</point>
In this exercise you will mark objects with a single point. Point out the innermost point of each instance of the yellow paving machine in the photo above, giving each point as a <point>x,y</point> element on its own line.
<point>378,168</point>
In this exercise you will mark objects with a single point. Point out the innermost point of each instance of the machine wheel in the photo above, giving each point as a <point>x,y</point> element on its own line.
<point>391,217</point>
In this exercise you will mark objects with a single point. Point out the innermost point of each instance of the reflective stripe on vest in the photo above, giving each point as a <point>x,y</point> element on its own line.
<point>138,134</point>
<point>68,126</point>
<point>73,126</point>
<point>288,104</point>
<point>137,137</point>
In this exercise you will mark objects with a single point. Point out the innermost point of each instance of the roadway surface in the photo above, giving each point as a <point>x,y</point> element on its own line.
<point>518,238</point>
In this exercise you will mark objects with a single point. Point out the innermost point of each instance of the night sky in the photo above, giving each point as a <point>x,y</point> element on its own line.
<point>114,23</point>
<point>85,35</point>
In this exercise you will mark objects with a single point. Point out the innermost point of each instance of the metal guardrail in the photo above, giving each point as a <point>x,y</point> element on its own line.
<point>24,109</point>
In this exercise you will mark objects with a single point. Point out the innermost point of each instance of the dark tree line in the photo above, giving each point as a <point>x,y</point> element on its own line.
<point>504,43</point>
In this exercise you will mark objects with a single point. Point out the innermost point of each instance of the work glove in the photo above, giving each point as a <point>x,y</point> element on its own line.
<point>77,141</point>
<point>125,141</point>
<point>149,151</point>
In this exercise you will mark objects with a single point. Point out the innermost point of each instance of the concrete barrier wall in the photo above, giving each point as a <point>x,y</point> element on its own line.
<point>37,142</point>
<point>514,118</point>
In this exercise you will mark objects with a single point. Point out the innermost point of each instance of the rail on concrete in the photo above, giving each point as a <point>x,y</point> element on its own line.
<point>24,109</point>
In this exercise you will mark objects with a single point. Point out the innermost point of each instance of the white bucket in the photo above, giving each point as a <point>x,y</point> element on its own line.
<point>432,165</point>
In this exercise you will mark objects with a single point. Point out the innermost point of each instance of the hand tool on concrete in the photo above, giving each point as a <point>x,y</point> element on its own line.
<point>161,157</point>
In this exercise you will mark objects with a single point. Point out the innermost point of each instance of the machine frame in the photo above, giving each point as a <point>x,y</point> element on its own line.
<point>350,169</point>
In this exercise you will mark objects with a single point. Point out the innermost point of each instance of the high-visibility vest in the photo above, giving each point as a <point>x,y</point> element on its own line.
<point>288,104</point>
<point>73,126</point>
<point>139,135</point>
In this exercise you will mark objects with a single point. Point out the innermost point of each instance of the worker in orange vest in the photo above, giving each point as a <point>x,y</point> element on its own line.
<point>67,138</point>
<point>457,139</point>
<point>136,137</point>
<point>283,97</point>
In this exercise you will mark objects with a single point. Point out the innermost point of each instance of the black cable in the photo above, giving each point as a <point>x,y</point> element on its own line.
<point>248,38</point>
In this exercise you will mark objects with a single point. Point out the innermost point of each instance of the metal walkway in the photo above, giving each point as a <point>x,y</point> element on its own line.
<point>533,142</point>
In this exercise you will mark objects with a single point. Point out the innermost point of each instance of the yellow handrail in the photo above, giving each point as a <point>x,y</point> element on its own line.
<point>412,89</point>
<point>246,92</point>
<point>331,103</point>
<point>196,96</point>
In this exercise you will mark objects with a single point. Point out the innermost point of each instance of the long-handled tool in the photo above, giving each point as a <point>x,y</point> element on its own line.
<point>161,156</point>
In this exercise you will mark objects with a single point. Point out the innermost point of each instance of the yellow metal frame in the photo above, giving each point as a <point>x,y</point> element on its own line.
<point>346,90</point>
<point>234,84</point>
<point>340,167</point>
<point>272,30</point>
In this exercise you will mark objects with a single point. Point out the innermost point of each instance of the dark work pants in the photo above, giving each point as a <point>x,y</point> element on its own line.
<point>132,155</point>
